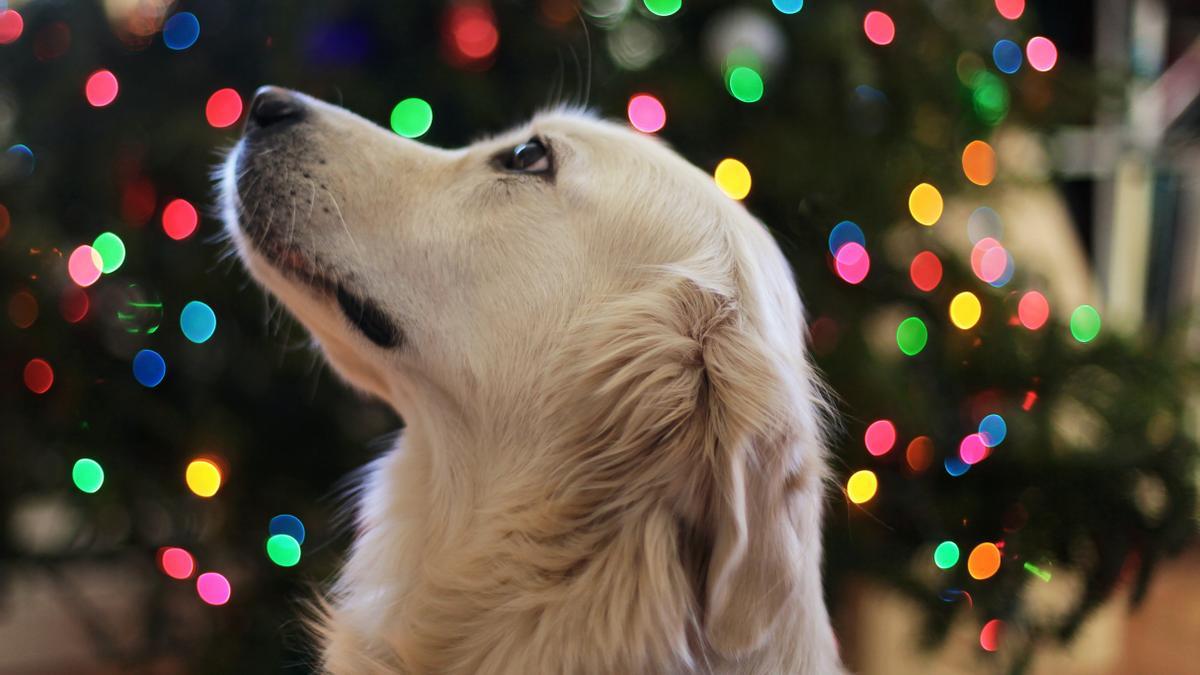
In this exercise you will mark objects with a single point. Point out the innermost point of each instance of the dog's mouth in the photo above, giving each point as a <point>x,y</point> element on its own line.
<point>302,268</point>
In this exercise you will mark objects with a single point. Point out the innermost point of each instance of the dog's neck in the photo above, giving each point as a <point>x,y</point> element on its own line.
<point>461,578</point>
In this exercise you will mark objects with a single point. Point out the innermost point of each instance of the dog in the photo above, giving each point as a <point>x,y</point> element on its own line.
<point>613,459</point>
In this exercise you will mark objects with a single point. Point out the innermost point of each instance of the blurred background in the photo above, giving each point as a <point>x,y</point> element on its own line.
<point>992,208</point>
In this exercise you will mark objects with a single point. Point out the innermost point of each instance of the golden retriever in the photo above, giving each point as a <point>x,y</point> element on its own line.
<point>613,460</point>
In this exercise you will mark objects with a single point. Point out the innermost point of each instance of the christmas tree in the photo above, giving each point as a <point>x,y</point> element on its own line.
<point>171,431</point>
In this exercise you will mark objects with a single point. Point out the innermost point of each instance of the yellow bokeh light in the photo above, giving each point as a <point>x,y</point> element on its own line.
<point>984,561</point>
<point>925,204</point>
<point>203,477</point>
<point>862,486</point>
<point>965,310</point>
<point>733,178</point>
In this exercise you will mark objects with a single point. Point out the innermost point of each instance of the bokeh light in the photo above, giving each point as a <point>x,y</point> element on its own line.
<point>843,233</point>
<point>925,271</point>
<point>179,219</point>
<point>197,321</point>
<point>972,449</point>
<point>111,250</point>
<point>38,376</point>
<point>984,561</point>
<point>203,477</point>
<point>5,221</point>
<point>141,311</point>
<point>1006,54</point>
<point>733,178</point>
<point>911,336</point>
<point>989,636</point>
<point>1085,323</point>
<point>965,310</point>
<point>74,304</point>
<point>21,156</point>
<point>84,265</point>
<point>925,204</point>
<point>149,368</point>
<point>862,486</point>
<point>979,162</point>
<point>646,113</point>
<point>176,562</point>
<point>224,108</point>
<point>181,31</point>
<point>745,84</point>
<point>286,523</point>
<point>955,466</point>
<point>879,27</point>
<point>788,6</point>
<point>663,7</point>
<point>283,550</point>
<point>919,454</point>
<point>88,475</point>
<point>880,437</point>
<point>984,222</point>
<point>101,88</point>
<point>1007,271</point>
<point>852,263</point>
<point>1010,9</point>
<point>988,259</point>
<point>472,32</point>
<point>11,26</point>
<point>22,309</point>
<point>213,588</point>
<point>989,97</point>
<point>993,430</point>
<point>946,555</point>
<point>412,117</point>
<point>1033,310</point>
<point>1042,53</point>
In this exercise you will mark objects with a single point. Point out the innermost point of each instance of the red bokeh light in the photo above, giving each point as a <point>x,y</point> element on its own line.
<point>880,437</point>
<point>179,219</point>
<point>1033,310</point>
<point>989,637</point>
<point>101,88</point>
<point>1010,9</point>
<point>224,108</point>
<point>11,26</point>
<point>176,562</point>
<point>926,271</point>
<point>879,28</point>
<point>74,304</point>
<point>138,201</point>
<point>470,35</point>
<point>38,376</point>
<point>52,41</point>
<point>23,309</point>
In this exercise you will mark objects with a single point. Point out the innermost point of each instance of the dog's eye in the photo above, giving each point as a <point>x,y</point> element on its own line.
<point>532,156</point>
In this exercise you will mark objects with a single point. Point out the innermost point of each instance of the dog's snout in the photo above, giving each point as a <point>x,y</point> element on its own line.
<point>273,106</point>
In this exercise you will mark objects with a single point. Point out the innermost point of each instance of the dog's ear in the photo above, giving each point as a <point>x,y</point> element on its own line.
<point>763,437</point>
<point>679,399</point>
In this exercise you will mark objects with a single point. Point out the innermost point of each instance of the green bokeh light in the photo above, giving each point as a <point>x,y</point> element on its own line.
<point>912,336</point>
<point>663,7</point>
<point>111,250</point>
<point>1085,323</point>
<point>989,95</point>
<point>283,550</point>
<point>87,475</point>
<point>745,84</point>
<point>412,117</point>
<point>945,555</point>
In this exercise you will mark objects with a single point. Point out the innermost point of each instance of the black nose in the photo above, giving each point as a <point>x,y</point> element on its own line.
<point>273,106</point>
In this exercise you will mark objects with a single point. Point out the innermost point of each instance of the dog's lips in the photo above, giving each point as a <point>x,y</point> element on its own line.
<point>295,264</point>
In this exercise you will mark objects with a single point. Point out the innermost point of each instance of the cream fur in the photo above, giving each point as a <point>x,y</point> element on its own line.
<point>613,459</point>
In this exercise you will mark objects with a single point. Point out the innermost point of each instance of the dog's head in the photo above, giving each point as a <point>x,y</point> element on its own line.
<point>571,280</point>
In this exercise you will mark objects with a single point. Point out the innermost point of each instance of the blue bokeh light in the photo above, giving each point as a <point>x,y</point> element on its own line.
<point>1007,55</point>
<point>197,321</point>
<point>181,31</point>
<point>993,429</point>
<point>149,368</point>
<point>286,523</point>
<point>844,233</point>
